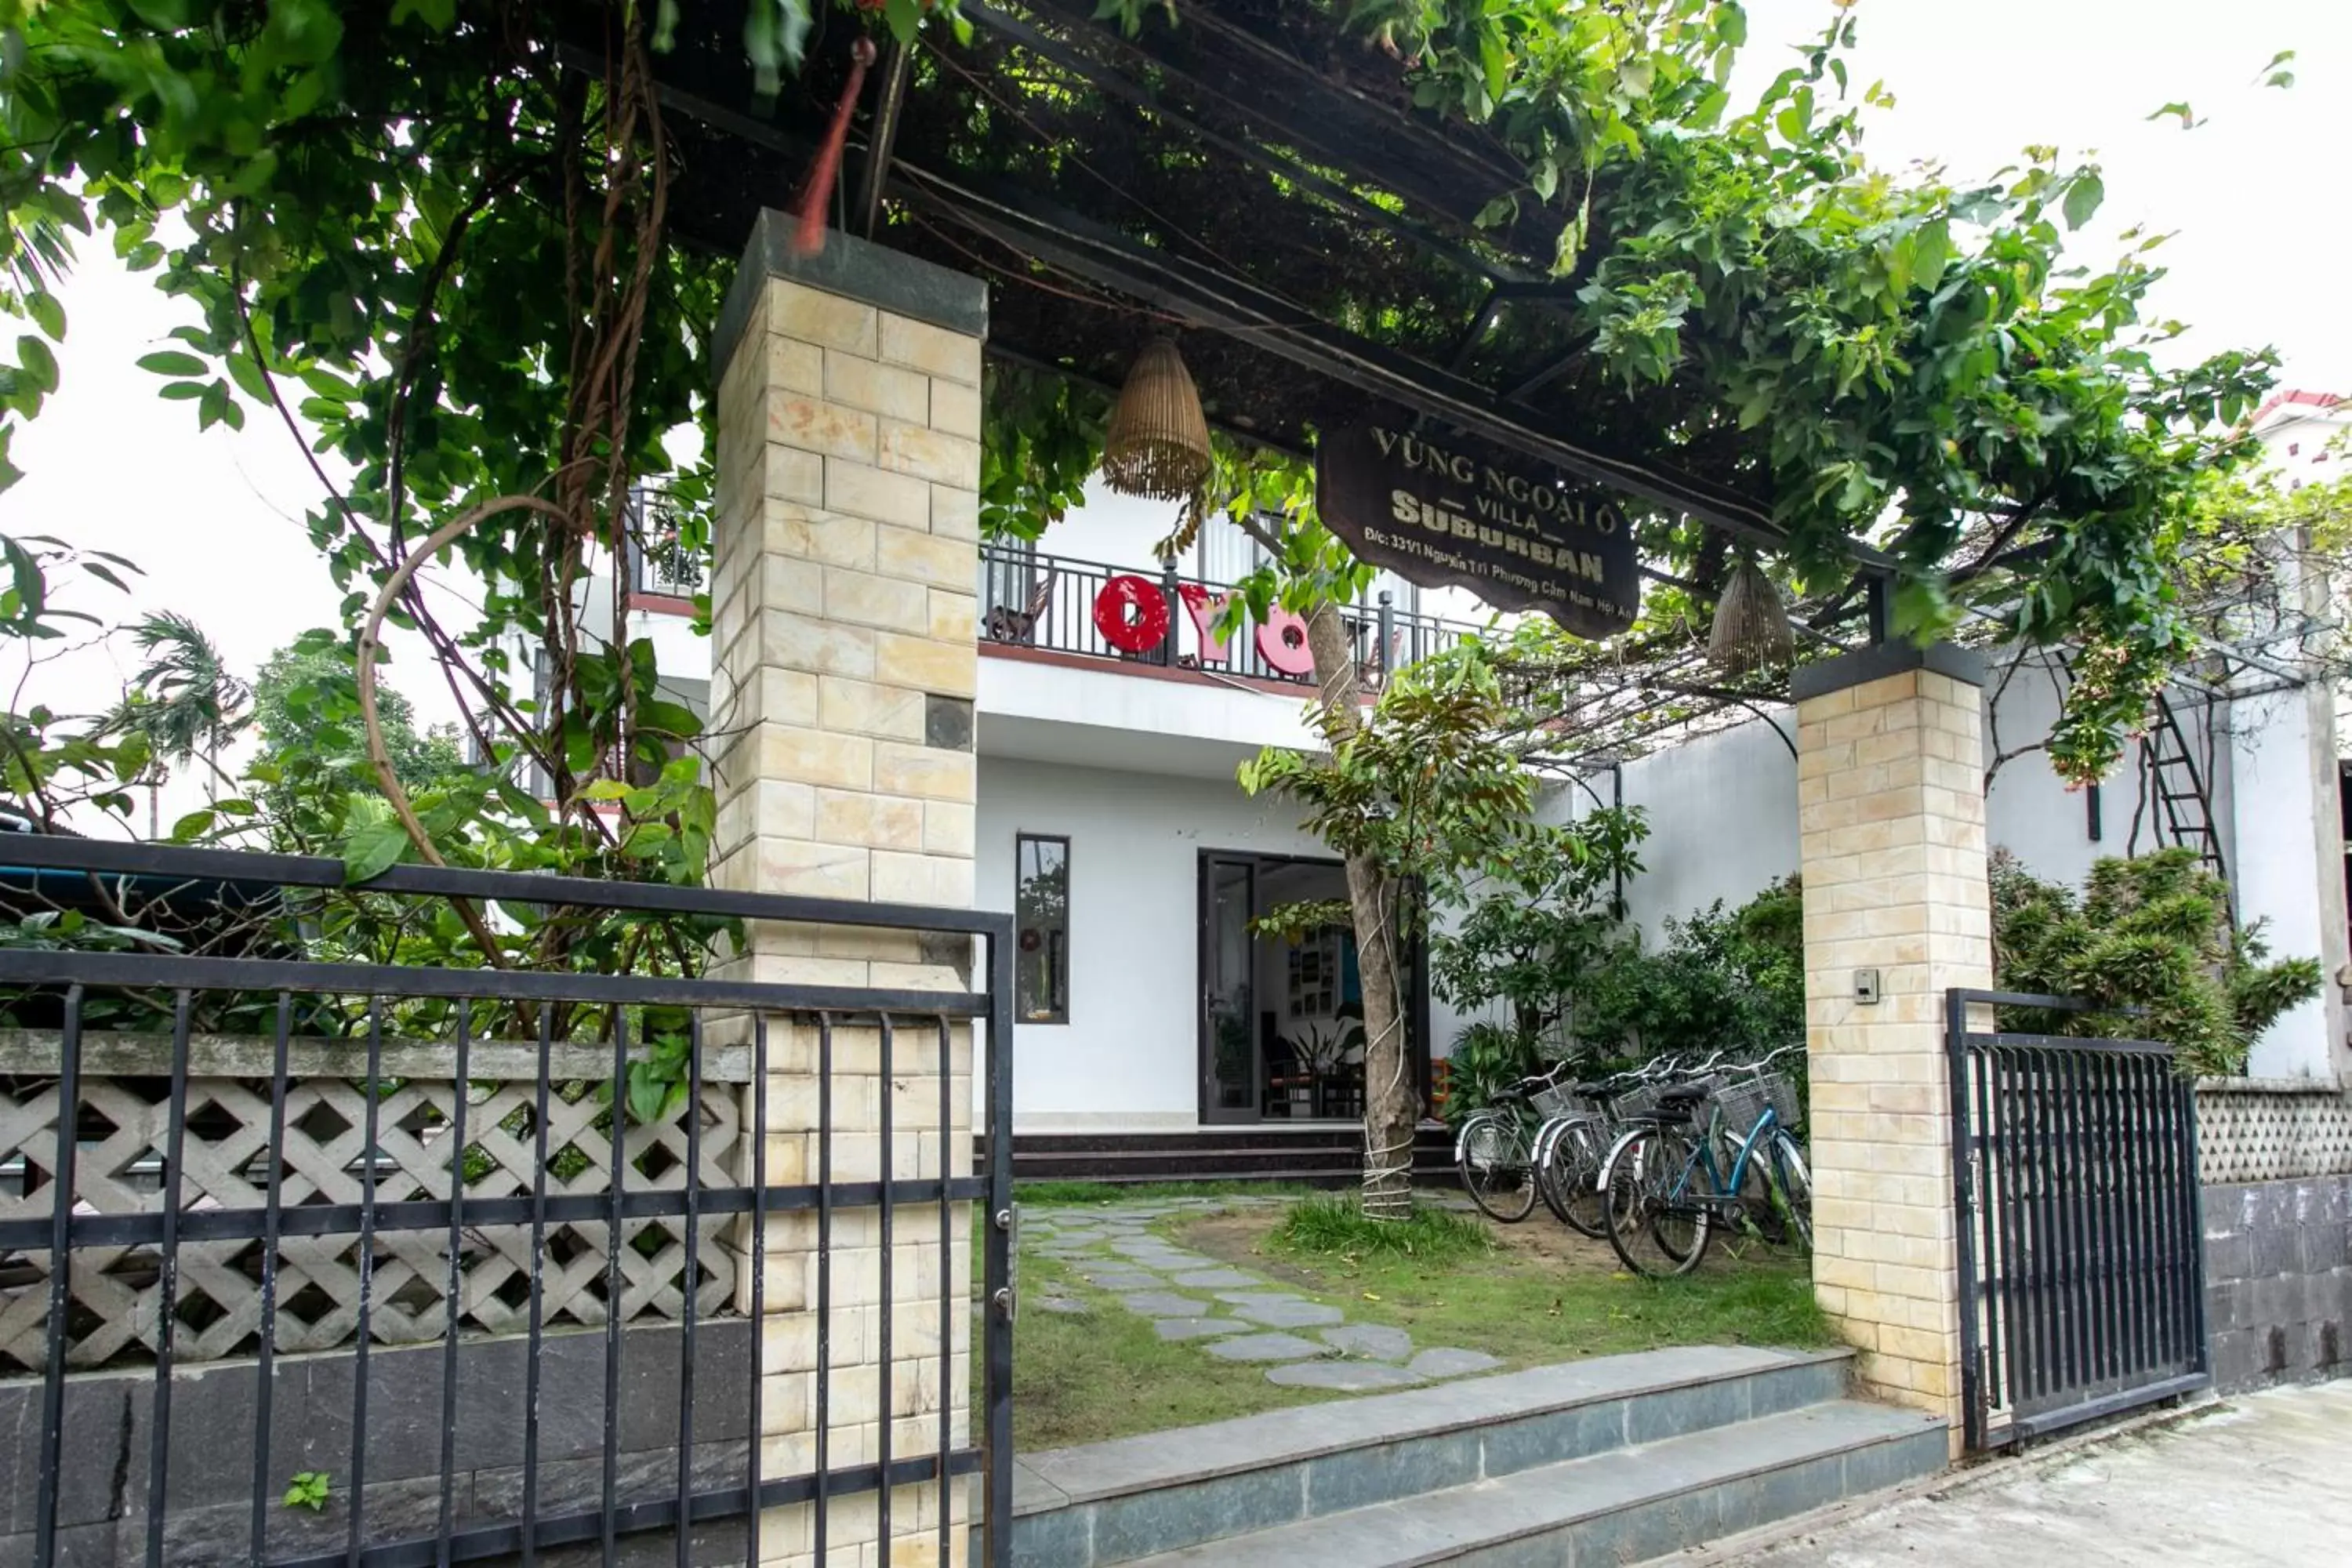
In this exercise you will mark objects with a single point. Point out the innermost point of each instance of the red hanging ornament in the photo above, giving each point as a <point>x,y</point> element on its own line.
<point>817,192</point>
<point>1131,613</point>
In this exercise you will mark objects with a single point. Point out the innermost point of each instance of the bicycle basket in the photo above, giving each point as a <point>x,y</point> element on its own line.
<point>1742,1102</point>
<point>1782,1090</point>
<point>1559,1100</point>
<point>1490,1145</point>
<point>1638,1101</point>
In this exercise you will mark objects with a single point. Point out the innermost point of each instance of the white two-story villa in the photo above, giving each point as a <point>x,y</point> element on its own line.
<point>1157,1033</point>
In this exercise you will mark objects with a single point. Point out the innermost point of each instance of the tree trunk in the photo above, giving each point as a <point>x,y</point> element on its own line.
<point>1391,1099</point>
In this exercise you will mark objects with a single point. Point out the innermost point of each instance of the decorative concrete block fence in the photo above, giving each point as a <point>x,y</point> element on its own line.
<point>2275,1158</point>
<point>114,1320</point>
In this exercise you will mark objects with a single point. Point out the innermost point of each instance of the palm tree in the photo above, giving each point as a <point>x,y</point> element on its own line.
<point>185,700</point>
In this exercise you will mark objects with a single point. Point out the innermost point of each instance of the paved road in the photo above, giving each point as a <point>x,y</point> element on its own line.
<point>2264,1480</point>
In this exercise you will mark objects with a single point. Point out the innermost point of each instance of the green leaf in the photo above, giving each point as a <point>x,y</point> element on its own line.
<point>172,361</point>
<point>194,825</point>
<point>1495,59</point>
<point>50,315</point>
<point>669,719</point>
<point>39,361</point>
<point>249,378</point>
<point>1931,251</point>
<point>373,850</point>
<point>2082,197</point>
<point>1707,113</point>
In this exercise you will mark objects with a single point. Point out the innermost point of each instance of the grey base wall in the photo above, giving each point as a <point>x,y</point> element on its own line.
<point>103,1494</point>
<point>2278,1281</point>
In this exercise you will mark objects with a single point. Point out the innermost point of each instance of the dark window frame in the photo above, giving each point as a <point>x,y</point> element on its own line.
<point>1058,1011</point>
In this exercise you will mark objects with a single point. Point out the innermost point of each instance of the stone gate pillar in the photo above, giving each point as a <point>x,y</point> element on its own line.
<point>1890,787</point>
<point>843,619</point>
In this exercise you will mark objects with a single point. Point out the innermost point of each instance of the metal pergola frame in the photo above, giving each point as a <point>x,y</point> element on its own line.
<point>1218,81</point>
<point>1289,120</point>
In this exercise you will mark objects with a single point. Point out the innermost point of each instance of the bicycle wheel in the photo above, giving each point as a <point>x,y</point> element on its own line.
<point>1792,1181</point>
<point>1657,1223</point>
<point>1496,1168</point>
<point>1570,1173</point>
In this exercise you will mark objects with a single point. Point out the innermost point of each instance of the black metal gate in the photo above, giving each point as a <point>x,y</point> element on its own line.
<point>2081,1246</point>
<point>603,1438</point>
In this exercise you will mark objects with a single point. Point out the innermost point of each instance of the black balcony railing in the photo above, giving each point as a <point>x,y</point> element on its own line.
<point>1028,599</point>
<point>658,562</point>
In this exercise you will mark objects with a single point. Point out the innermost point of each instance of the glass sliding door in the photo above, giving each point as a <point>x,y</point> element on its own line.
<point>1229,1044</point>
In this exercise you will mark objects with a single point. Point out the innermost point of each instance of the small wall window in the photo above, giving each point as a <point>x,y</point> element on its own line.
<point>1041,920</point>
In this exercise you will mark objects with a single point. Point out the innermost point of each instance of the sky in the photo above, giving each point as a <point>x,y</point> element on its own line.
<point>2250,197</point>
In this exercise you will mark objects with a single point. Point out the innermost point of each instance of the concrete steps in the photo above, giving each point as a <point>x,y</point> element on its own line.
<point>1625,1505</point>
<point>1613,1461</point>
<point>1323,1154</point>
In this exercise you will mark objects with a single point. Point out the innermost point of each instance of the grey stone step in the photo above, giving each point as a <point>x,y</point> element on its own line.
<point>1114,1503</point>
<point>1626,1505</point>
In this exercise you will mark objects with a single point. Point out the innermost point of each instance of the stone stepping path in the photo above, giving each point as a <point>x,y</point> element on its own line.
<point>1289,1312</point>
<point>1373,1340</point>
<point>1251,1320</point>
<point>1174,1329</point>
<point>1264,1347</point>
<point>1215,1279</point>
<point>1344,1376</point>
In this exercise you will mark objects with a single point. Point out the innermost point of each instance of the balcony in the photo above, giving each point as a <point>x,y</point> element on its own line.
<point>660,565</point>
<point>1031,599</point>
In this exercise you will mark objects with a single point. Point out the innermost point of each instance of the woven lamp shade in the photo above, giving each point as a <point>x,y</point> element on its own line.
<point>1156,445</point>
<point>1751,625</point>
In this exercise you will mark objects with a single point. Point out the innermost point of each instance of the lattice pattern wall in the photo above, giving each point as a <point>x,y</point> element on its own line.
<point>123,1130</point>
<point>2255,1130</point>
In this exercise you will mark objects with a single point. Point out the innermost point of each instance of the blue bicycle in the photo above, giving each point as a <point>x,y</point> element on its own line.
<point>1715,1156</point>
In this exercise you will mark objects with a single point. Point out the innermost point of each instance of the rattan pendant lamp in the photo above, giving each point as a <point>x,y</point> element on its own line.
<point>1751,627</point>
<point>1157,444</point>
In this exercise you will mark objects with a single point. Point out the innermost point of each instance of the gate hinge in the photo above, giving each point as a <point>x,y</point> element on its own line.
<point>1003,1301</point>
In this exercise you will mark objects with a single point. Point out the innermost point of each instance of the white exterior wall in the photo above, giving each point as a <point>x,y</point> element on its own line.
<point>1128,1061</point>
<point>2282,866</point>
<point>1724,819</point>
<point>1723,808</point>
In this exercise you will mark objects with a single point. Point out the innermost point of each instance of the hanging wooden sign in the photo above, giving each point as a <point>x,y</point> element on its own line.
<point>1444,510</point>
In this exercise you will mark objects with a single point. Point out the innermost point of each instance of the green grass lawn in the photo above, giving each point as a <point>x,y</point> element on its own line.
<point>1539,1296</point>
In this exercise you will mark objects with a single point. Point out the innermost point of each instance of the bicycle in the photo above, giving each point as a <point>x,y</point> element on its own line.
<point>1494,1150</point>
<point>1666,1195</point>
<point>1573,1144</point>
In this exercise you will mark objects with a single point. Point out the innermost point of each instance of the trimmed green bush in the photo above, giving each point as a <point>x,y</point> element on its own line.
<point>2151,944</point>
